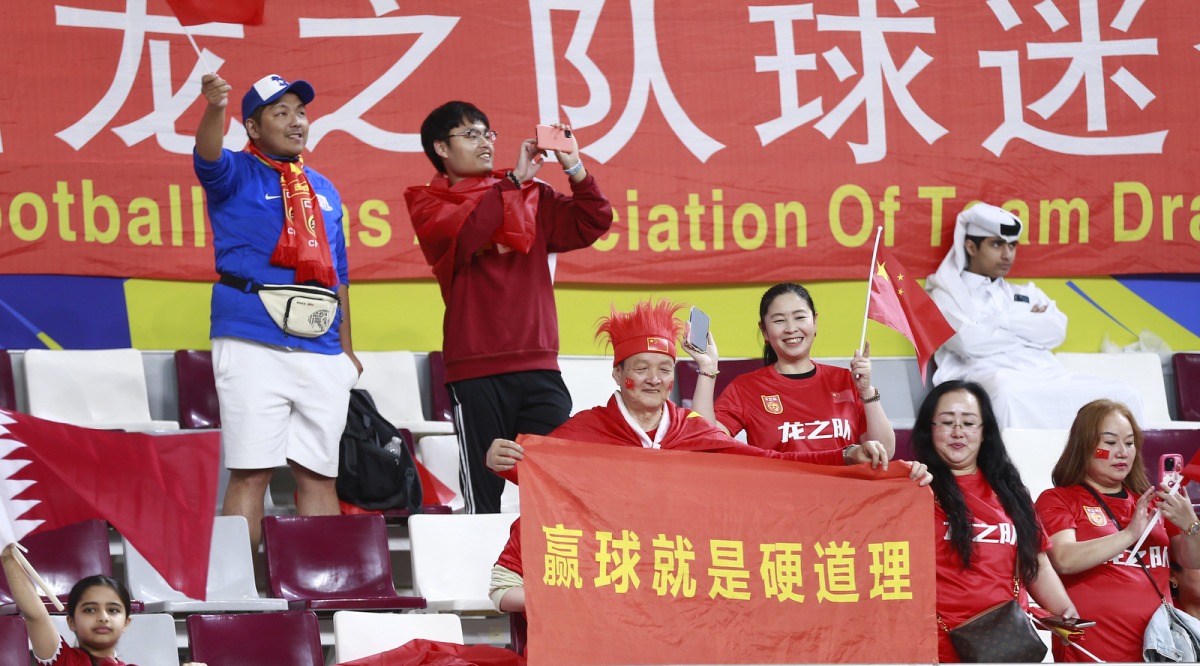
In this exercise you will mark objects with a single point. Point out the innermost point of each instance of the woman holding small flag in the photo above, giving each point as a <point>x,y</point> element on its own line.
<point>794,403</point>
<point>1100,509</point>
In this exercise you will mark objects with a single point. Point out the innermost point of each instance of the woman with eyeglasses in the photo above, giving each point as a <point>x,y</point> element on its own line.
<point>988,538</point>
<point>1101,504</point>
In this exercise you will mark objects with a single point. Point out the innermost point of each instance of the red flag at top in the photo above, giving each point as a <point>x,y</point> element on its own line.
<point>899,303</point>
<point>195,12</point>
<point>158,491</point>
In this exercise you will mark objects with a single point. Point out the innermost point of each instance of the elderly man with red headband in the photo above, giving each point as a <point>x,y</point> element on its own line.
<point>639,414</point>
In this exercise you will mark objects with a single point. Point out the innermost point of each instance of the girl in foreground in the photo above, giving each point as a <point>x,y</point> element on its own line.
<point>97,611</point>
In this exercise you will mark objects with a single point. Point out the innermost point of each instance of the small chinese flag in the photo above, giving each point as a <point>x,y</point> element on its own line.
<point>1191,471</point>
<point>195,12</point>
<point>899,303</point>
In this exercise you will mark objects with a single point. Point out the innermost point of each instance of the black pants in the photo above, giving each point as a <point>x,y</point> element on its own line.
<point>501,406</point>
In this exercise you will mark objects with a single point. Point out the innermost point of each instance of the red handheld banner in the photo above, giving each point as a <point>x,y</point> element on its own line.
<point>638,556</point>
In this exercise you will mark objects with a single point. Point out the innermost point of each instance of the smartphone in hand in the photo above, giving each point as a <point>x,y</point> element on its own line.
<point>698,335</point>
<point>1170,467</point>
<point>1067,622</point>
<point>550,137</point>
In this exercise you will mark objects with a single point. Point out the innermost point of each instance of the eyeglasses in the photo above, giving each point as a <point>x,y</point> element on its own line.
<point>474,135</point>
<point>967,426</point>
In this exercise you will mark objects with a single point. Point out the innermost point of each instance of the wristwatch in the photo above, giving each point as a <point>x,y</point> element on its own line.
<point>1192,529</point>
<point>846,453</point>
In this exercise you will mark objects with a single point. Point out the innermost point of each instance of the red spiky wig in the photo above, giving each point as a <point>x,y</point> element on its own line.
<point>650,327</point>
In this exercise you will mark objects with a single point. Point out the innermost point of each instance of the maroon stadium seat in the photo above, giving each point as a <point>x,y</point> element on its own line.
<point>331,563</point>
<point>687,371</point>
<point>904,450</point>
<point>14,639</point>
<point>63,557</point>
<point>256,639</point>
<point>518,626</point>
<point>439,395</point>
<point>8,390</point>
<point>1187,385</point>
<point>198,406</point>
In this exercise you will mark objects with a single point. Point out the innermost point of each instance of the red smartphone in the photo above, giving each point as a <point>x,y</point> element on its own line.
<point>553,138</point>
<point>1170,467</point>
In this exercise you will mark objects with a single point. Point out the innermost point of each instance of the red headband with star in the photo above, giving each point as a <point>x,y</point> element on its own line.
<point>651,327</point>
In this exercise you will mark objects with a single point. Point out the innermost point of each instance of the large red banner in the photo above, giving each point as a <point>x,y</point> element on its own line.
<point>741,141</point>
<point>639,556</point>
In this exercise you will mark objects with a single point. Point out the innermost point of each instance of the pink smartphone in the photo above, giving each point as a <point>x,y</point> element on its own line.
<point>1170,467</point>
<point>553,138</point>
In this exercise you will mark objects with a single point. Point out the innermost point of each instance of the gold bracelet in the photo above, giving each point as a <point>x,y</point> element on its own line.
<point>712,374</point>
<point>874,398</point>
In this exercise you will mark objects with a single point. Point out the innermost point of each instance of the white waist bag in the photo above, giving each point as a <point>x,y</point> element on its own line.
<point>301,310</point>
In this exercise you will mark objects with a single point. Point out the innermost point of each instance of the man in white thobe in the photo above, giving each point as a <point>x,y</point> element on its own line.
<point>1005,331</point>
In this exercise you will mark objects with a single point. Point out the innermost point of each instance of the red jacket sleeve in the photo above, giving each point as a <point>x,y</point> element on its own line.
<point>576,221</point>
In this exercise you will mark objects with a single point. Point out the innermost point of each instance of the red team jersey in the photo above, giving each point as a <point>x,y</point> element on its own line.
<point>73,656</point>
<point>1117,595</point>
<point>778,413</point>
<point>962,593</point>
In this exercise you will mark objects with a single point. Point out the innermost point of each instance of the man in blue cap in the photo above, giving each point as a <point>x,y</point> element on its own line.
<point>282,353</point>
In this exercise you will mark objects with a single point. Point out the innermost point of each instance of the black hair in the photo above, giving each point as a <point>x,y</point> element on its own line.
<point>977,240</point>
<point>441,121</point>
<point>99,580</point>
<point>768,297</point>
<point>997,469</point>
<point>256,116</point>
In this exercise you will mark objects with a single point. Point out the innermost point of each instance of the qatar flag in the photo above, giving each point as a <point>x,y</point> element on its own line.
<point>158,491</point>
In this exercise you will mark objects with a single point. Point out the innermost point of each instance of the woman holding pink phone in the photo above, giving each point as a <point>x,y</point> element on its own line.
<point>1100,506</point>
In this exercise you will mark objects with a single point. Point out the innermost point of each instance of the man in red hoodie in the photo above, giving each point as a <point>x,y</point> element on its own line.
<point>489,235</point>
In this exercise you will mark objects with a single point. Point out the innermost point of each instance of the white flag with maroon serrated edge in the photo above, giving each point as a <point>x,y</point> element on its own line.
<point>12,528</point>
<point>158,491</point>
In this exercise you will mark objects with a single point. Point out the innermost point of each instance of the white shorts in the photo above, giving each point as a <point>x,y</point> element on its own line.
<point>279,405</point>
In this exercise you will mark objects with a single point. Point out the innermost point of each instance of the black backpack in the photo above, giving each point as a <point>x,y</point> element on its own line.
<point>376,469</point>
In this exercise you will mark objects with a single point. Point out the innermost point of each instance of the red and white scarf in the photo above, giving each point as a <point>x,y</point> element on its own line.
<point>304,246</point>
<point>438,211</point>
